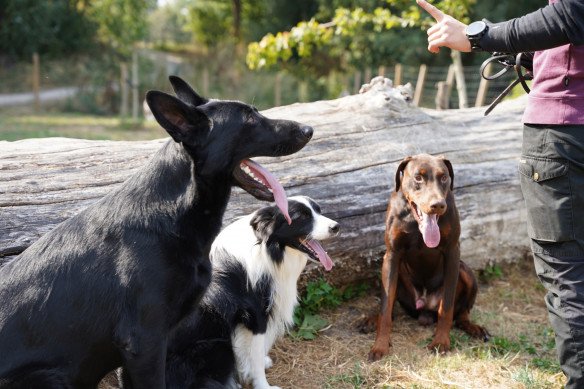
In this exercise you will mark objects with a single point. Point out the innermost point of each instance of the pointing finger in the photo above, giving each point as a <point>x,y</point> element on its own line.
<point>433,11</point>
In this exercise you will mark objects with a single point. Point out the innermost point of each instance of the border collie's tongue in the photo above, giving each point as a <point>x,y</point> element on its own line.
<point>430,230</point>
<point>322,255</point>
<point>272,182</point>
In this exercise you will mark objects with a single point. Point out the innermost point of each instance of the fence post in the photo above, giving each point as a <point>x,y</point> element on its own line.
<point>135,97</point>
<point>441,95</point>
<point>303,91</point>
<point>381,71</point>
<point>397,78</point>
<point>278,90</point>
<point>366,76</point>
<point>449,85</point>
<point>483,88</point>
<point>124,89</point>
<point>420,84</point>
<point>205,81</point>
<point>357,82</point>
<point>36,81</point>
<point>460,82</point>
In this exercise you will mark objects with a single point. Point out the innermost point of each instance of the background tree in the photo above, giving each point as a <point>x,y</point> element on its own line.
<point>52,28</point>
<point>352,36</point>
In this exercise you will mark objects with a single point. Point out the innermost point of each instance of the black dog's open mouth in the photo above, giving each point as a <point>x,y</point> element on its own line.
<point>315,252</point>
<point>260,183</point>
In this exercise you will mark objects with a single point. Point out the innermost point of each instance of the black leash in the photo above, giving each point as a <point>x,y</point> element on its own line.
<point>508,61</point>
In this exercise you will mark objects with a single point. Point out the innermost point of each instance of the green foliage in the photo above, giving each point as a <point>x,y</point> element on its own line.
<point>46,27</point>
<point>121,23</point>
<point>491,272</point>
<point>540,349</point>
<point>61,27</point>
<point>168,24</point>
<point>209,21</point>
<point>346,39</point>
<point>320,295</point>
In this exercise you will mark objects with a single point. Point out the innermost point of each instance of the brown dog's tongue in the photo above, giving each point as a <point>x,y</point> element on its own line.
<point>322,255</point>
<point>272,182</point>
<point>430,230</point>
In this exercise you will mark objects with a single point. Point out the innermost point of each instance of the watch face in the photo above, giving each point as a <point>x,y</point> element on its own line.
<point>475,28</point>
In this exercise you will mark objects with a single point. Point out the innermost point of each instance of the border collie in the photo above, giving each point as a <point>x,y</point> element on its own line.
<point>105,288</point>
<point>257,261</point>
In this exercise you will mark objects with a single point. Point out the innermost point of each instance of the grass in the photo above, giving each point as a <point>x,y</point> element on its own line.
<point>520,354</point>
<point>19,123</point>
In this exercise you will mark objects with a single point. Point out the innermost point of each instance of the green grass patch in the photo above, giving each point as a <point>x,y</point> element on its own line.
<point>353,378</point>
<point>15,125</point>
<point>320,295</point>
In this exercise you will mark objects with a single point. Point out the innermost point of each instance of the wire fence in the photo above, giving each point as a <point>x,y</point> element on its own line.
<point>102,86</point>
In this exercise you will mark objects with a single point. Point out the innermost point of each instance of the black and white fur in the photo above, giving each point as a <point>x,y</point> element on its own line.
<point>257,261</point>
<point>105,288</point>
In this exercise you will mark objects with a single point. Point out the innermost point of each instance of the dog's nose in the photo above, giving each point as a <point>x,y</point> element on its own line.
<point>438,206</point>
<point>307,132</point>
<point>334,228</point>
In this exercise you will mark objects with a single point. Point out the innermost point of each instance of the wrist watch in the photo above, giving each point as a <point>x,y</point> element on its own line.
<point>474,33</point>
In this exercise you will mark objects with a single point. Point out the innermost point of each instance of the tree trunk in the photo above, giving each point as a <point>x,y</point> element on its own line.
<point>348,167</point>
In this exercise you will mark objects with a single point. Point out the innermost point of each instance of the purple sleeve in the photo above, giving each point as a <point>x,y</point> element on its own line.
<point>554,25</point>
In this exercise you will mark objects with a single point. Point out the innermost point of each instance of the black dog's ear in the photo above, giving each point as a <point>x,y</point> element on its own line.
<point>183,122</point>
<point>263,222</point>
<point>399,172</point>
<point>450,171</point>
<point>185,92</point>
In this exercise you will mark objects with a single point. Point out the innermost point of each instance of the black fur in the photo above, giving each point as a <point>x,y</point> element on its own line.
<point>200,349</point>
<point>105,288</point>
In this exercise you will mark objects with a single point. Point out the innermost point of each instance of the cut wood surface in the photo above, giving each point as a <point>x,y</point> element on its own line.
<point>348,167</point>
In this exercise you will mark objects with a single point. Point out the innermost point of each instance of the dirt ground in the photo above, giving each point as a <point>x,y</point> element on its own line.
<point>520,354</point>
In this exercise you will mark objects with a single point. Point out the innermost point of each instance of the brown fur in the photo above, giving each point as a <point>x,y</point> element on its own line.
<point>411,270</point>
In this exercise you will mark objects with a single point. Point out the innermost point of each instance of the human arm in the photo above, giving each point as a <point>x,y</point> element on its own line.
<point>551,26</point>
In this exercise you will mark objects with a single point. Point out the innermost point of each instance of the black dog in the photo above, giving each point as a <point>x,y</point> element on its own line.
<point>105,288</point>
<point>257,261</point>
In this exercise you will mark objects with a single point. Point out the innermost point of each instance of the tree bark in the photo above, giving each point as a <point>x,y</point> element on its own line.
<point>348,167</point>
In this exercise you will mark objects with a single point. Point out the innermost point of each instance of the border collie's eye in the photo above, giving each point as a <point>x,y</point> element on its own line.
<point>444,178</point>
<point>418,178</point>
<point>305,213</point>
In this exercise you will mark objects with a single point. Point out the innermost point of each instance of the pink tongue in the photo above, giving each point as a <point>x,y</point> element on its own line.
<point>272,182</point>
<point>430,230</point>
<point>322,255</point>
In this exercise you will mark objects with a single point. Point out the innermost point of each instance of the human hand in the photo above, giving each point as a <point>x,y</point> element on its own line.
<point>447,32</point>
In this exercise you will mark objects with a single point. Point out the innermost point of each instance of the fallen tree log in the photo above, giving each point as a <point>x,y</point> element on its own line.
<point>348,168</point>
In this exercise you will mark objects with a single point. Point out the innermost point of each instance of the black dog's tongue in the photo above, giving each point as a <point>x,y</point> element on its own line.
<point>269,180</point>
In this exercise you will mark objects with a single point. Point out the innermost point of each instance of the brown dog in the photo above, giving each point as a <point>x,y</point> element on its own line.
<point>422,266</point>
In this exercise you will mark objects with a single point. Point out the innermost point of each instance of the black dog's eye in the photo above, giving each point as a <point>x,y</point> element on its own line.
<point>252,117</point>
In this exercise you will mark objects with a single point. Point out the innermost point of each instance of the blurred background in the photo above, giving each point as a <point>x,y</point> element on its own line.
<point>81,68</point>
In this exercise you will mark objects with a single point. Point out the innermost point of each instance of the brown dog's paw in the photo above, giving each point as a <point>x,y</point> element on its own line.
<point>377,353</point>
<point>475,331</point>
<point>366,324</point>
<point>441,347</point>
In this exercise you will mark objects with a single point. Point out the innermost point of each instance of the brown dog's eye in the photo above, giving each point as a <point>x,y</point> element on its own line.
<point>444,178</point>
<point>418,178</point>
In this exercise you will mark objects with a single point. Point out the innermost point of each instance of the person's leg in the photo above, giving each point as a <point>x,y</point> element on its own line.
<point>552,182</point>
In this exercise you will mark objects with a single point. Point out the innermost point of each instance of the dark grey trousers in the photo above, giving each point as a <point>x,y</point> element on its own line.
<point>552,181</point>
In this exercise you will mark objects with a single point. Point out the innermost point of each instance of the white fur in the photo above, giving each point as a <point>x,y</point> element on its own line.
<point>251,351</point>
